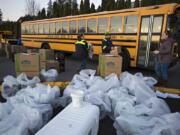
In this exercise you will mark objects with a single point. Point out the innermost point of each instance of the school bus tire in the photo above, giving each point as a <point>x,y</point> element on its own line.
<point>126,59</point>
<point>45,46</point>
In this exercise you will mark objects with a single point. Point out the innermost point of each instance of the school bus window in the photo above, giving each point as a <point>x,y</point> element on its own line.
<point>23,28</point>
<point>157,24</point>
<point>154,45</point>
<point>26,29</point>
<point>103,25</point>
<point>91,26</point>
<point>46,28</point>
<point>31,31</point>
<point>81,26</point>
<point>52,28</point>
<point>58,28</point>
<point>131,23</point>
<point>36,31</point>
<point>73,27</point>
<point>65,27</point>
<point>145,25</point>
<point>41,29</point>
<point>116,24</point>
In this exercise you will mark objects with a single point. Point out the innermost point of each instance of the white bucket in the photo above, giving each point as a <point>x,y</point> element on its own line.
<point>77,98</point>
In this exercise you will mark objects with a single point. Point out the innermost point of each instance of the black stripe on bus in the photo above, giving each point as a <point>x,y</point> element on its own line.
<point>73,43</point>
<point>132,41</point>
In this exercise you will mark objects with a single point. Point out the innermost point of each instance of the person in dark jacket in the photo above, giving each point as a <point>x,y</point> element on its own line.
<point>106,43</point>
<point>164,57</point>
<point>82,51</point>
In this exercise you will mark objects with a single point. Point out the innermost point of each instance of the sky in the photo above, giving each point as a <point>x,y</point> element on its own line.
<point>13,9</point>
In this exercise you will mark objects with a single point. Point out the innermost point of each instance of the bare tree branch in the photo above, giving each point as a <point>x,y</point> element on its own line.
<point>32,7</point>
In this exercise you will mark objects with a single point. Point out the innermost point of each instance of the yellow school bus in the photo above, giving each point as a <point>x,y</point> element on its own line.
<point>137,31</point>
<point>6,36</point>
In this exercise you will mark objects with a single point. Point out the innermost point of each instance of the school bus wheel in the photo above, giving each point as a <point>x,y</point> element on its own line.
<point>45,46</point>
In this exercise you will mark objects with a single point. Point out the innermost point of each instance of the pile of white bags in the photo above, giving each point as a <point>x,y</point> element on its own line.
<point>11,85</point>
<point>24,81</point>
<point>49,75</point>
<point>29,109</point>
<point>130,101</point>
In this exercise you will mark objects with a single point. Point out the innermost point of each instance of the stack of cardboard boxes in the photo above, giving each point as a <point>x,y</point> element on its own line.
<point>33,63</point>
<point>27,63</point>
<point>110,63</point>
<point>47,60</point>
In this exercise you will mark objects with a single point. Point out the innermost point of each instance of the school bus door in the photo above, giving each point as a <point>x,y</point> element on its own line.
<point>150,33</point>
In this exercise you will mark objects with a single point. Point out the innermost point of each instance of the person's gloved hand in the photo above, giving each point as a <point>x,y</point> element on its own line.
<point>156,52</point>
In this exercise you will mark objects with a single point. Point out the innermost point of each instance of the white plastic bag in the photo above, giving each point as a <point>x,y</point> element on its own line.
<point>45,94</point>
<point>50,75</point>
<point>9,87</point>
<point>137,87</point>
<point>5,110</point>
<point>22,120</point>
<point>87,73</point>
<point>24,81</point>
<point>127,124</point>
<point>101,100</point>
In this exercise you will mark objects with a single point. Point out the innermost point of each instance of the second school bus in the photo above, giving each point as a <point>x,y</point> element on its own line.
<point>137,31</point>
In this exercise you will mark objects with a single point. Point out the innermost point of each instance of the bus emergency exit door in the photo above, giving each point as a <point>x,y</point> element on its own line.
<point>150,33</point>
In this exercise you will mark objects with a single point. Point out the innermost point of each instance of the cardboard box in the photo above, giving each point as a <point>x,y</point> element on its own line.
<point>25,62</point>
<point>29,74</point>
<point>109,64</point>
<point>49,64</point>
<point>46,54</point>
<point>34,50</point>
<point>23,49</point>
<point>115,51</point>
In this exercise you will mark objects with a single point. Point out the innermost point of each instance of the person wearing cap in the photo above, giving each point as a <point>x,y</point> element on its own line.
<point>82,51</point>
<point>107,43</point>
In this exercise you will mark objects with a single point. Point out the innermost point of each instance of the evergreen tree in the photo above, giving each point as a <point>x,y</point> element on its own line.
<point>67,8</point>
<point>74,7</point>
<point>81,10</point>
<point>99,9</point>
<point>110,5</point>
<point>93,10</point>
<point>0,16</point>
<point>120,4</point>
<point>103,5</point>
<point>128,3</point>
<point>148,2</point>
<point>86,6</point>
<point>136,3</point>
<point>50,9</point>
<point>43,13</point>
<point>61,7</point>
<point>55,11</point>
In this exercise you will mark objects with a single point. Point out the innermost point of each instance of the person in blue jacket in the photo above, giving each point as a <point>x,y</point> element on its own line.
<point>82,51</point>
<point>107,43</point>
